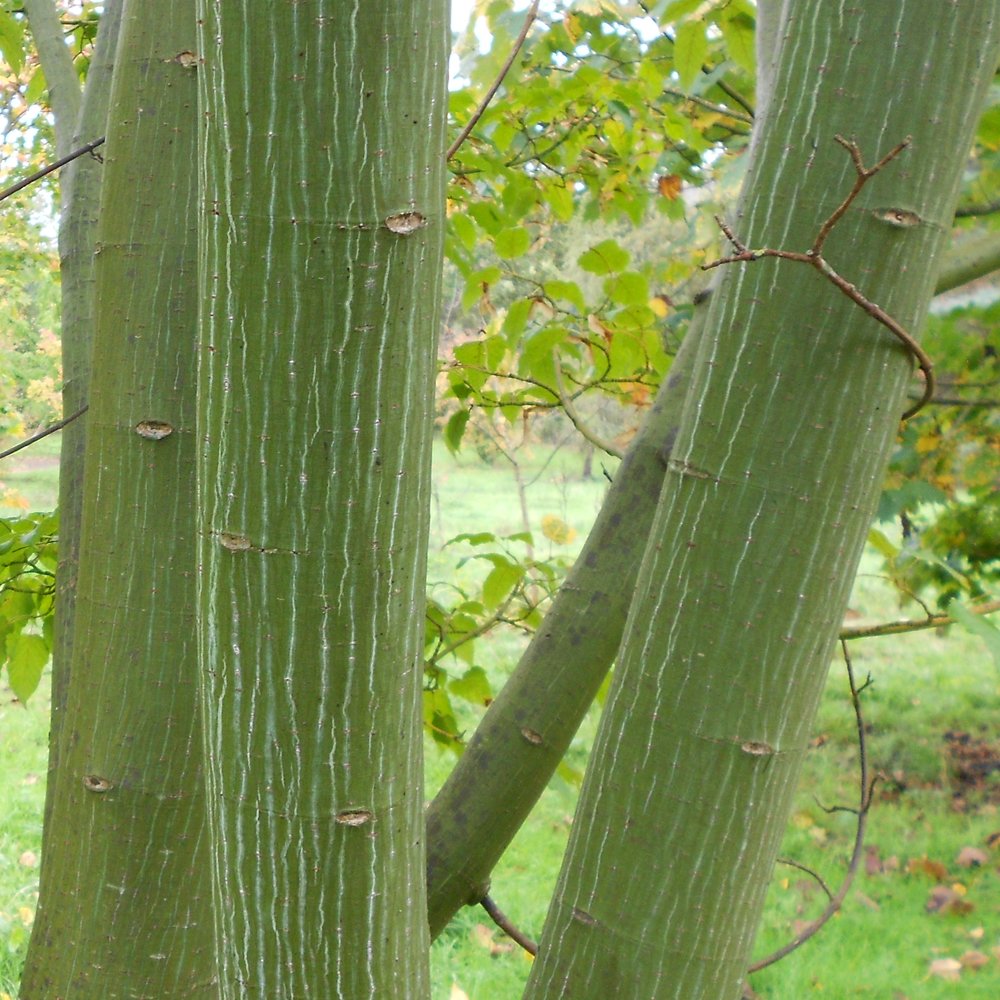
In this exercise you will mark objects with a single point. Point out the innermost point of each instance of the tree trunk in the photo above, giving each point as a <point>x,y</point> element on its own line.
<point>771,488</point>
<point>323,176</point>
<point>528,728</point>
<point>79,193</point>
<point>124,908</point>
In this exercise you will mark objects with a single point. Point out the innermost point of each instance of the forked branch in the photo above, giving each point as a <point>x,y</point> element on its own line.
<point>814,258</point>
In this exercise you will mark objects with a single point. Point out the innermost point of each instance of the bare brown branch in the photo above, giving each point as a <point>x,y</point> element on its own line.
<point>814,258</point>
<point>495,86</point>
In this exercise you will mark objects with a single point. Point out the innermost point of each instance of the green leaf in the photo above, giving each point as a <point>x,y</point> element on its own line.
<point>604,258</point>
<point>516,320</point>
<point>455,429</point>
<point>473,686</point>
<point>463,227</point>
<point>738,34</point>
<point>478,283</point>
<point>502,579</point>
<point>510,243</point>
<point>569,291</point>
<point>473,538</point>
<point>12,41</point>
<point>628,289</point>
<point>980,626</point>
<point>690,49</point>
<point>881,544</point>
<point>26,657</point>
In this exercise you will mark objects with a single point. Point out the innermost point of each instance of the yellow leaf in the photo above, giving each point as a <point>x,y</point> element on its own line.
<point>457,993</point>
<point>660,305</point>
<point>555,529</point>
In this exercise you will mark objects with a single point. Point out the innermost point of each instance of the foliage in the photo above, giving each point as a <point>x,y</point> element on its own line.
<point>512,593</point>
<point>30,376</point>
<point>27,591</point>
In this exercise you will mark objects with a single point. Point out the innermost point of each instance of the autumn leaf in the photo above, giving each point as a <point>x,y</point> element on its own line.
<point>555,529</point>
<point>948,899</point>
<point>669,186</point>
<point>971,857</point>
<point>974,959</point>
<point>925,866</point>
<point>948,969</point>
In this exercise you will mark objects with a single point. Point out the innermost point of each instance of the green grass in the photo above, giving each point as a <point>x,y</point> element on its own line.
<point>881,944</point>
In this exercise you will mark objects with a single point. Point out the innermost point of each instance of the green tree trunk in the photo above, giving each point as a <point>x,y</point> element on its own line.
<point>528,728</point>
<point>323,175</point>
<point>79,194</point>
<point>124,908</point>
<point>771,487</point>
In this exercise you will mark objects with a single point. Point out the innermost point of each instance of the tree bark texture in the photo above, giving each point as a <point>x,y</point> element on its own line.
<point>124,908</point>
<point>771,487</point>
<point>323,219</point>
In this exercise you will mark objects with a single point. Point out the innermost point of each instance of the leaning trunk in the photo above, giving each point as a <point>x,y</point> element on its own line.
<point>771,487</point>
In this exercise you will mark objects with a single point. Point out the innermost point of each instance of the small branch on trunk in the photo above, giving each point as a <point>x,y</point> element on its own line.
<point>503,922</point>
<point>913,624</point>
<point>814,258</point>
<point>866,787</point>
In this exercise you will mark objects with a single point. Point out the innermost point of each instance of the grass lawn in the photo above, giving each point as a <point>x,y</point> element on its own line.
<point>885,942</point>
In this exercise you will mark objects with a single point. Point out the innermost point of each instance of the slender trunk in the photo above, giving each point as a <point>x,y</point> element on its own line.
<point>521,740</point>
<point>322,170</point>
<point>772,483</point>
<point>57,64</point>
<point>124,908</point>
<point>80,183</point>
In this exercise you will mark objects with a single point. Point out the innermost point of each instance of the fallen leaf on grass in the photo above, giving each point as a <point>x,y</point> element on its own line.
<point>946,968</point>
<point>925,866</point>
<point>864,900</point>
<point>948,899</point>
<point>974,960</point>
<point>971,857</point>
<point>457,993</point>
<point>483,936</point>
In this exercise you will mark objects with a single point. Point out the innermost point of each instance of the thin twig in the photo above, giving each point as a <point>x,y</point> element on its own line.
<point>809,871</point>
<point>913,624</point>
<point>968,211</point>
<point>814,257</point>
<point>576,420</point>
<point>738,116</point>
<point>58,426</point>
<point>864,805</point>
<point>503,922</point>
<point>45,171</point>
<point>495,86</point>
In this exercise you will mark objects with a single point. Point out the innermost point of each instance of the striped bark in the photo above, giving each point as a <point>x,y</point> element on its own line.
<point>771,487</point>
<point>124,908</point>
<point>323,217</point>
